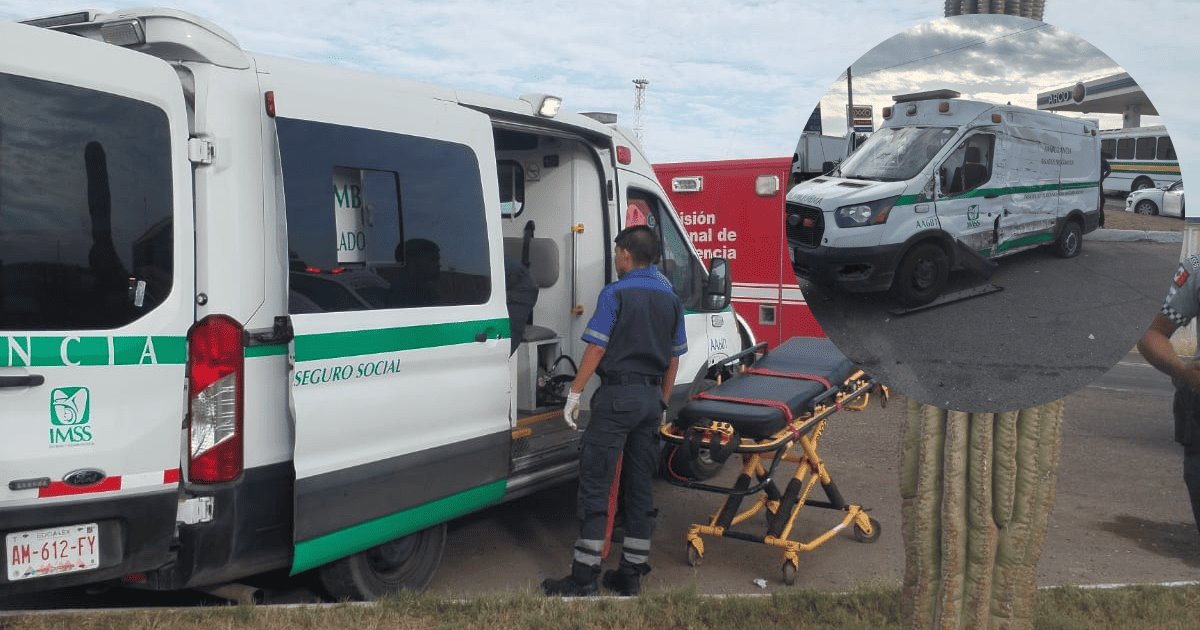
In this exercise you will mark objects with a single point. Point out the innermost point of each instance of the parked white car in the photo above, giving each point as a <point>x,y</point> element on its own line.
<point>1165,201</point>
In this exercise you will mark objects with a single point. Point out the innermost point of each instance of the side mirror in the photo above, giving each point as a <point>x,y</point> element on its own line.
<point>942,176</point>
<point>719,286</point>
<point>827,166</point>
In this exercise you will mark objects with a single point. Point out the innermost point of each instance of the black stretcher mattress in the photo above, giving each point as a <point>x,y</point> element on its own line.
<point>815,356</point>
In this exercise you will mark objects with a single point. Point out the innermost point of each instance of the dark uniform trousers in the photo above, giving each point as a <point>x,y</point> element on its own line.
<point>1187,433</point>
<point>623,428</point>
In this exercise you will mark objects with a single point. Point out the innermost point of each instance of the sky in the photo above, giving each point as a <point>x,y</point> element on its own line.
<point>728,79</point>
<point>993,58</point>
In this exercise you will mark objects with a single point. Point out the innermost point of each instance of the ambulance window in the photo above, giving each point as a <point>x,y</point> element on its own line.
<point>1146,148</point>
<point>1125,148</point>
<point>1166,150</point>
<point>677,263</point>
<point>512,187</point>
<point>86,232</point>
<point>969,166</point>
<point>379,220</point>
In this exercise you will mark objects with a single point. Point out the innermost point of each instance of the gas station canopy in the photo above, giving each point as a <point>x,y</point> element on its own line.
<point>1116,94</point>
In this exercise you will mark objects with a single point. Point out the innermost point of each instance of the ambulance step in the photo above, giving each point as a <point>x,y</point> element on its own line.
<point>948,298</point>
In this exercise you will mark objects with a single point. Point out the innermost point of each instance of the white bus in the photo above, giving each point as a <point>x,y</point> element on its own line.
<point>1140,157</point>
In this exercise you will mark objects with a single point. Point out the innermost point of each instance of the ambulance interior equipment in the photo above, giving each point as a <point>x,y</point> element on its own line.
<point>773,412</point>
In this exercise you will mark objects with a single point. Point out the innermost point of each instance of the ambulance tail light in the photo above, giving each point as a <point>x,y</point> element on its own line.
<point>624,155</point>
<point>215,384</point>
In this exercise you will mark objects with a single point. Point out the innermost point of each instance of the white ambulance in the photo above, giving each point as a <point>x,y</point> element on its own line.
<point>253,311</point>
<point>944,180</point>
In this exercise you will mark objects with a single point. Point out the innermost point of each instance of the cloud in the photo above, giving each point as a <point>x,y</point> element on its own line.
<point>727,79</point>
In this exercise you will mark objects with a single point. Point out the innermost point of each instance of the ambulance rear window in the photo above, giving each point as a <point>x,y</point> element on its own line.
<point>86,238</point>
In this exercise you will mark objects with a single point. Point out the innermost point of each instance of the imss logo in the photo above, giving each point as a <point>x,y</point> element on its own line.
<point>70,413</point>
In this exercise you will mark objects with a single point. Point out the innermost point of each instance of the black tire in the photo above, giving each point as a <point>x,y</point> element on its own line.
<point>698,468</point>
<point>1142,183</point>
<point>922,274</point>
<point>404,564</point>
<point>1146,206</point>
<point>863,537</point>
<point>1070,240</point>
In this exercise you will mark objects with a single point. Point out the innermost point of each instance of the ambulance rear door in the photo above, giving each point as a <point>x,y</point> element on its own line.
<point>96,299</point>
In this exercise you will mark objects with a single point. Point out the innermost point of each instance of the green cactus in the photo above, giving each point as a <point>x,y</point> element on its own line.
<point>976,490</point>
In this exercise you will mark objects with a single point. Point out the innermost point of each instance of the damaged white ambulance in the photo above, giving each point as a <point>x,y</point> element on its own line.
<point>945,180</point>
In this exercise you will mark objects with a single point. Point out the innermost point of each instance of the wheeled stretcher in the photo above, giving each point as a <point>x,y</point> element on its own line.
<point>773,411</point>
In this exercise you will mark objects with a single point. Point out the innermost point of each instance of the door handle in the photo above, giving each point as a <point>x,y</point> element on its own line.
<point>487,333</point>
<point>991,196</point>
<point>31,380</point>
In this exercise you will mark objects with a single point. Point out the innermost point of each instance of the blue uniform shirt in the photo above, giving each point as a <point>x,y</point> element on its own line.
<point>639,323</point>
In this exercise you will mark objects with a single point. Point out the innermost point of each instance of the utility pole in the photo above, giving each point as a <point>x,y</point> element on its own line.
<point>849,112</point>
<point>639,103</point>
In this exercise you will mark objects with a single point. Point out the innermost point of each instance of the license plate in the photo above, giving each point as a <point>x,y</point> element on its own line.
<point>42,552</point>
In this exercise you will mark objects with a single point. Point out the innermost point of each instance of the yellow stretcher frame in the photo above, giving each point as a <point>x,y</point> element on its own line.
<point>795,444</point>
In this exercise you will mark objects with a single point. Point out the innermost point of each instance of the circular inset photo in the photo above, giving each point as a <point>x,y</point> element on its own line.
<point>986,212</point>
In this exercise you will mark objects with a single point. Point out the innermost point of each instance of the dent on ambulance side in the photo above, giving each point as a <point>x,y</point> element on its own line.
<point>1031,177</point>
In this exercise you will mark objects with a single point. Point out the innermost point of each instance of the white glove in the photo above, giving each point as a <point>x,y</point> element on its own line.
<point>571,410</point>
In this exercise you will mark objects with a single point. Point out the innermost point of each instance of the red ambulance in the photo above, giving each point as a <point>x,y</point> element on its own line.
<point>734,209</point>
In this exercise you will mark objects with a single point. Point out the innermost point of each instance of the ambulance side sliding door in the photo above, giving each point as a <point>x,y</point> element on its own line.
<point>400,385</point>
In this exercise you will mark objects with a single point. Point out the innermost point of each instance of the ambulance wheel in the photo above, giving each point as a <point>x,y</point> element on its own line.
<point>1070,240</point>
<point>698,468</point>
<point>864,537</point>
<point>922,275</point>
<point>1146,206</point>
<point>1142,183</point>
<point>789,572</point>
<point>404,564</point>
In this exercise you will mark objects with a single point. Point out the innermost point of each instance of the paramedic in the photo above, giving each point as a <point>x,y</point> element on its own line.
<point>634,342</point>
<point>1182,304</point>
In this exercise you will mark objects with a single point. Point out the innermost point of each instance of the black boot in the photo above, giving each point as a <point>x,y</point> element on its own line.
<point>581,582</point>
<point>627,579</point>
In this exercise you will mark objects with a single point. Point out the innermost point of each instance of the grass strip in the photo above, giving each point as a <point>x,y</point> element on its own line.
<point>1069,608</point>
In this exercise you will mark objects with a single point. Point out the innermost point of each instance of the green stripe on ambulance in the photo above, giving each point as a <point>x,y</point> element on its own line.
<point>90,351</point>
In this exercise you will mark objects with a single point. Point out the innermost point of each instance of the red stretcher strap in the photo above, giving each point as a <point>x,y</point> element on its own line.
<point>796,375</point>
<point>787,412</point>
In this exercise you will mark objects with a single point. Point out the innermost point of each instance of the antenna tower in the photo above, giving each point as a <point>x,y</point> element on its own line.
<point>639,103</point>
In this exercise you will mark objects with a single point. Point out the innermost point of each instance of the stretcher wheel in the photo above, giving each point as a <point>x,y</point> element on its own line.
<point>693,556</point>
<point>789,572</point>
<point>863,537</point>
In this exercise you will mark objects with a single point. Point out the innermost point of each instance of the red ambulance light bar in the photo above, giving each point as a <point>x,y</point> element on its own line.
<point>269,100</point>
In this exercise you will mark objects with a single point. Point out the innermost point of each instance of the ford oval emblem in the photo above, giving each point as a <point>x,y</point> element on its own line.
<point>84,477</point>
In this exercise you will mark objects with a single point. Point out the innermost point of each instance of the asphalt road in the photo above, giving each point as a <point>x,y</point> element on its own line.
<point>1122,515</point>
<point>1056,326</point>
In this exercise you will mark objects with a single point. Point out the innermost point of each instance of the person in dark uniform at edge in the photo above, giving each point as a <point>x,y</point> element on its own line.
<point>635,339</point>
<point>1105,171</point>
<point>1181,306</point>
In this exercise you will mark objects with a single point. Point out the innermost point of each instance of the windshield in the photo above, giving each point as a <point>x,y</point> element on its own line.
<point>896,153</point>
